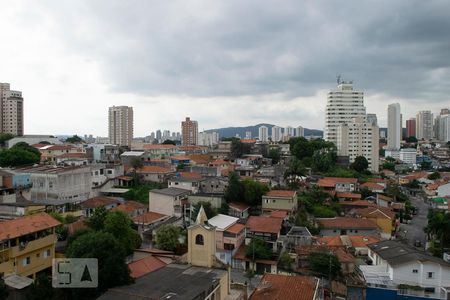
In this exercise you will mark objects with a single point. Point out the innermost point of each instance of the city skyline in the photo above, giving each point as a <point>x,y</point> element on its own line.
<point>167,72</point>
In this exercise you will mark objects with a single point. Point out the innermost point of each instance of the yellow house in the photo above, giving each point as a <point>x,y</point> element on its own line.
<point>382,216</point>
<point>27,244</point>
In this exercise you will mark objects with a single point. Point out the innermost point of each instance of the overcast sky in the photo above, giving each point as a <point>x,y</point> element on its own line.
<point>223,63</point>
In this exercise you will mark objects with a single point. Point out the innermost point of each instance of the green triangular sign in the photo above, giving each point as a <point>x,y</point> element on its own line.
<point>86,275</point>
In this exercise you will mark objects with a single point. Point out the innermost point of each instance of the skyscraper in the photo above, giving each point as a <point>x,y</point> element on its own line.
<point>442,126</point>
<point>120,122</point>
<point>263,133</point>
<point>411,127</point>
<point>359,138</point>
<point>276,134</point>
<point>394,127</point>
<point>299,131</point>
<point>372,119</point>
<point>424,125</point>
<point>11,110</point>
<point>343,104</point>
<point>288,132</point>
<point>189,132</point>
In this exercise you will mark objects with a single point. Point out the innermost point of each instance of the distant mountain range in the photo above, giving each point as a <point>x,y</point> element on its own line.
<point>232,131</point>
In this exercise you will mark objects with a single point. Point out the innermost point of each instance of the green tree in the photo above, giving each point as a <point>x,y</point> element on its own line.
<point>390,159</point>
<point>360,164</point>
<point>21,154</point>
<point>224,208</point>
<point>75,139</point>
<point>235,189</point>
<point>40,289</point>
<point>4,137</point>
<point>323,212</point>
<point>97,220</point>
<point>120,226</point>
<point>425,165</point>
<point>275,155</point>
<point>167,237</point>
<point>434,176</point>
<point>253,191</point>
<point>169,142</point>
<point>239,148</point>
<point>112,269</point>
<point>365,193</point>
<point>209,210</point>
<point>258,249</point>
<point>324,160</point>
<point>286,261</point>
<point>77,234</point>
<point>325,264</point>
<point>388,166</point>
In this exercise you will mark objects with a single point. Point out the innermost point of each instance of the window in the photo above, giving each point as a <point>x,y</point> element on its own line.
<point>415,271</point>
<point>430,275</point>
<point>26,261</point>
<point>199,239</point>
<point>47,253</point>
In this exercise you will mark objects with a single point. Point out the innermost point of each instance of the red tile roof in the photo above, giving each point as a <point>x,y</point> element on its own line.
<point>280,193</point>
<point>377,180</point>
<point>372,186</point>
<point>283,287</point>
<point>348,195</point>
<point>332,181</point>
<point>362,241</point>
<point>280,214</point>
<point>376,212</point>
<point>330,240</point>
<point>384,197</point>
<point>148,218</point>
<point>357,203</point>
<point>25,225</point>
<point>98,201</point>
<point>154,169</point>
<point>190,175</point>
<point>239,206</point>
<point>264,224</point>
<point>129,206</point>
<point>144,266</point>
<point>248,141</point>
<point>236,228</point>
<point>347,223</point>
<point>180,157</point>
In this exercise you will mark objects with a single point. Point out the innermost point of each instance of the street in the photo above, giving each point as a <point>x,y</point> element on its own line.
<point>414,231</point>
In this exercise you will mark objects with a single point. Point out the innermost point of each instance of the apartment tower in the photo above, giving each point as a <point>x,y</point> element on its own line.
<point>11,110</point>
<point>343,104</point>
<point>411,127</point>
<point>424,125</point>
<point>189,132</point>
<point>263,134</point>
<point>120,121</point>
<point>394,127</point>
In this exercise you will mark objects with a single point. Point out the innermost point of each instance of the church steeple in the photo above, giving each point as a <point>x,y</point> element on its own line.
<point>201,217</point>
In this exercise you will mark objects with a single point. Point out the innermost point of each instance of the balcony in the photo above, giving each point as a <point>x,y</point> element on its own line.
<point>33,245</point>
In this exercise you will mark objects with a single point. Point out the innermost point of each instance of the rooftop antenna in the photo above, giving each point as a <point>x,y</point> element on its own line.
<point>338,79</point>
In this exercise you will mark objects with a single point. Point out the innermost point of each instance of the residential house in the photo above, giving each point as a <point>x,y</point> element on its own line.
<point>347,196</point>
<point>229,236</point>
<point>49,153</point>
<point>216,200</point>
<point>149,221</point>
<point>443,190</point>
<point>382,216</point>
<point>169,201</point>
<point>358,242</point>
<point>277,286</point>
<point>191,184</point>
<point>280,200</point>
<point>396,264</point>
<point>155,174</point>
<point>145,266</point>
<point>298,236</point>
<point>345,258</point>
<point>347,226</point>
<point>160,150</point>
<point>216,185</point>
<point>27,244</point>
<point>131,208</point>
<point>266,228</point>
<point>338,184</point>
<point>90,205</point>
<point>238,210</point>
<point>373,187</point>
<point>384,201</point>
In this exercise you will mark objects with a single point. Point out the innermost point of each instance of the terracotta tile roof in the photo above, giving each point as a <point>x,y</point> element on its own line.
<point>144,266</point>
<point>343,255</point>
<point>73,155</point>
<point>283,287</point>
<point>384,197</point>
<point>218,162</point>
<point>239,206</point>
<point>281,193</point>
<point>362,203</point>
<point>77,225</point>
<point>129,206</point>
<point>190,174</point>
<point>180,157</point>
<point>280,214</point>
<point>362,241</point>
<point>200,158</point>
<point>25,225</point>
<point>348,195</point>
<point>148,218</point>
<point>154,169</point>
<point>398,205</point>
<point>376,212</point>
<point>330,240</point>
<point>158,146</point>
<point>125,178</point>
<point>332,181</point>
<point>236,228</point>
<point>347,223</point>
<point>98,201</point>
<point>340,251</point>
<point>264,224</point>
<point>372,186</point>
<point>377,180</point>
<point>248,141</point>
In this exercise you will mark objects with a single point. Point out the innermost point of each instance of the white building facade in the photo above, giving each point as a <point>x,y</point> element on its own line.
<point>424,125</point>
<point>263,134</point>
<point>394,126</point>
<point>120,121</point>
<point>276,134</point>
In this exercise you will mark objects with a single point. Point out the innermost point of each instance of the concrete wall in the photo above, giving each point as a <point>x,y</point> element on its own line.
<point>162,204</point>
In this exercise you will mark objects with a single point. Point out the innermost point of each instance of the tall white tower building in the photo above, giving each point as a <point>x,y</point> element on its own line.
<point>394,127</point>
<point>343,104</point>
<point>263,134</point>
<point>276,134</point>
<point>11,110</point>
<point>299,131</point>
<point>424,125</point>
<point>120,123</point>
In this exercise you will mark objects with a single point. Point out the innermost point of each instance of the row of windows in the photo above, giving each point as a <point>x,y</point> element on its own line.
<point>27,260</point>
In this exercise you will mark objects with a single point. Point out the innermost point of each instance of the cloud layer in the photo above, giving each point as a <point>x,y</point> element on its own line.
<point>222,62</point>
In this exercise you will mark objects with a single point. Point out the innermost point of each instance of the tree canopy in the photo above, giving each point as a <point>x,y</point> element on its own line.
<point>5,137</point>
<point>411,139</point>
<point>169,142</point>
<point>167,237</point>
<point>258,249</point>
<point>74,139</point>
<point>360,164</point>
<point>120,226</point>
<point>325,264</point>
<point>21,154</point>
<point>434,176</point>
<point>209,210</point>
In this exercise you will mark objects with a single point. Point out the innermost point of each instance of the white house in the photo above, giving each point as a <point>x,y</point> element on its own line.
<point>443,190</point>
<point>168,201</point>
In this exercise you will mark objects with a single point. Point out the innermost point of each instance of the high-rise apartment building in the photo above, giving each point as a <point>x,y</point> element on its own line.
<point>263,133</point>
<point>189,132</point>
<point>359,138</point>
<point>343,104</point>
<point>411,127</point>
<point>248,135</point>
<point>424,125</point>
<point>120,122</point>
<point>372,119</point>
<point>394,127</point>
<point>289,132</point>
<point>276,134</point>
<point>299,131</point>
<point>442,126</point>
<point>11,110</point>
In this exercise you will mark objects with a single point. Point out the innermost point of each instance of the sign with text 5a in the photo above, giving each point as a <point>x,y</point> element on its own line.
<point>75,273</point>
